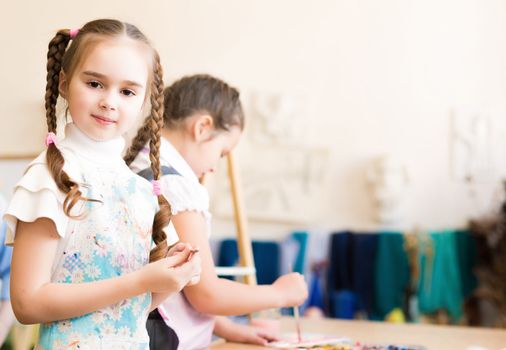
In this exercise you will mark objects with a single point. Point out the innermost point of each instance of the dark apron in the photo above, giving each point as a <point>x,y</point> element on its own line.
<point>161,336</point>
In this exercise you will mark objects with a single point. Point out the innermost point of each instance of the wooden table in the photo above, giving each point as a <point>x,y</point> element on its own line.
<point>431,336</point>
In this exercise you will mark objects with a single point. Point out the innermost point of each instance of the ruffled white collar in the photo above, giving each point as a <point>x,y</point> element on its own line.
<point>170,155</point>
<point>101,152</point>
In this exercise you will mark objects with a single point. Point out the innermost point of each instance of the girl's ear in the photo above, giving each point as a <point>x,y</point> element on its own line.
<point>203,127</point>
<point>62,85</point>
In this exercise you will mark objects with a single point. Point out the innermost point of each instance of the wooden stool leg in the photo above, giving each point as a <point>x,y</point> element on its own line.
<point>243,238</point>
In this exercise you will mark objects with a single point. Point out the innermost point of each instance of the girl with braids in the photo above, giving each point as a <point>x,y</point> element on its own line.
<point>82,224</point>
<point>203,121</point>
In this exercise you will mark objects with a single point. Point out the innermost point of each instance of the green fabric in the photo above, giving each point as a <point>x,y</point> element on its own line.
<point>440,285</point>
<point>392,273</point>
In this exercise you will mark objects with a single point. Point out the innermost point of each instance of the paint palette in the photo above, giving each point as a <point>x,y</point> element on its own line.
<point>389,347</point>
<point>326,342</point>
<point>312,341</point>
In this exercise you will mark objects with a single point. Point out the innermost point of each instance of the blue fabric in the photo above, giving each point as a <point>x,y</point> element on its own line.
<point>267,261</point>
<point>228,255</point>
<point>352,270</point>
<point>364,249</point>
<point>343,303</point>
<point>340,268</point>
<point>266,255</point>
<point>339,273</point>
<point>315,292</point>
<point>5,264</point>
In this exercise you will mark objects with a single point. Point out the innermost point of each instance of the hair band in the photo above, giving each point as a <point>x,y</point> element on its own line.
<point>73,33</point>
<point>157,188</point>
<point>50,138</point>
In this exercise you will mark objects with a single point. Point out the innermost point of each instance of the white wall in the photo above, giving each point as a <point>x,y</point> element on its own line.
<point>374,77</point>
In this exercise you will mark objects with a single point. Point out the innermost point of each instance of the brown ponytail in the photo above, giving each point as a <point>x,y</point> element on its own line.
<point>54,158</point>
<point>155,122</point>
<point>139,141</point>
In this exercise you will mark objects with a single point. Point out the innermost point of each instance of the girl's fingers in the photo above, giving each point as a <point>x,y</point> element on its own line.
<point>268,336</point>
<point>178,258</point>
<point>258,340</point>
<point>178,247</point>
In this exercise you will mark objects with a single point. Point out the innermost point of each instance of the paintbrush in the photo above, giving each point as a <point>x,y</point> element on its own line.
<point>193,251</point>
<point>297,319</point>
<point>297,323</point>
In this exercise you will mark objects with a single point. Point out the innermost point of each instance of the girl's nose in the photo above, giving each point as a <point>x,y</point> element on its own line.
<point>108,102</point>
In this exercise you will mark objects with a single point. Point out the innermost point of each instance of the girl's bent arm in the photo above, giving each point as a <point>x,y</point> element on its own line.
<point>220,296</point>
<point>35,299</point>
<point>157,299</point>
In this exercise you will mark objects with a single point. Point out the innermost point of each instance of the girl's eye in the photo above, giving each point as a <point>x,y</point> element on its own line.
<point>127,92</point>
<point>94,84</point>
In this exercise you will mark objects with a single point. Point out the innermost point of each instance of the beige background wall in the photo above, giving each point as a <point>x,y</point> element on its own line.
<point>367,77</point>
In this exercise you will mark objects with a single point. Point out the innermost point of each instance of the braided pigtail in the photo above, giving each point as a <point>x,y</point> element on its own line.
<point>155,124</point>
<point>139,141</point>
<point>54,158</point>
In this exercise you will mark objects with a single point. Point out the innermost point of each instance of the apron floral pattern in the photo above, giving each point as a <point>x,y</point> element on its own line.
<point>113,239</point>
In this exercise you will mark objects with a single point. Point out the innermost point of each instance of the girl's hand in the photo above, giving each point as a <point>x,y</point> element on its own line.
<point>171,274</point>
<point>242,333</point>
<point>291,288</point>
<point>180,247</point>
<point>195,259</point>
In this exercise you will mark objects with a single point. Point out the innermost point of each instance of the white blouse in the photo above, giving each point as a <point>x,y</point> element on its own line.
<point>184,193</point>
<point>183,190</point>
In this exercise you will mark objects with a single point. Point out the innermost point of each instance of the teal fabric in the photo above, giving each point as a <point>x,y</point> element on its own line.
<point>440,278</point>
<point>300,261</point>
<point>392,273</point>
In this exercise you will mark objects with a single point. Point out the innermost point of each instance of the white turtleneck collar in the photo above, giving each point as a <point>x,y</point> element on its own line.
<point>101,152</point>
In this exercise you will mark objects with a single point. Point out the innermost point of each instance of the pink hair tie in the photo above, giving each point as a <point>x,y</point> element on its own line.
<point>50,138</point>
<point>73,33</point>
<point>157,187</point>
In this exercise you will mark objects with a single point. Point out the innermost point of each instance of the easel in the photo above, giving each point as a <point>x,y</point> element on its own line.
<point>247,265</point>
